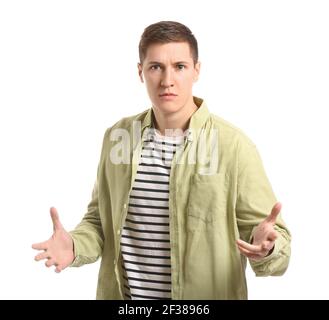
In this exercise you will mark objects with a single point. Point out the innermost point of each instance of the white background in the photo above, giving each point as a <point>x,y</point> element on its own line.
<point>68,71</point>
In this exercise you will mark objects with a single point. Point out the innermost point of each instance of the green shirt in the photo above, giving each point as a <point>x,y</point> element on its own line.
<point>213,201</point>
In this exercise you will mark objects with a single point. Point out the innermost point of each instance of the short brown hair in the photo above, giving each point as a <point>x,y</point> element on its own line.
<point>165,32</point>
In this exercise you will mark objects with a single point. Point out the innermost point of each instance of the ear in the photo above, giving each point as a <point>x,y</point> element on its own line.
<point>140,71</point>
<point>197,71</point>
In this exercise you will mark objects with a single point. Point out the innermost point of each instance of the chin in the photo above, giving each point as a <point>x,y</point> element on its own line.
<point>167,106</point>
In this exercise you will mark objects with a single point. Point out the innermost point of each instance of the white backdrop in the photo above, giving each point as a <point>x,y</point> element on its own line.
<point>68,71</point>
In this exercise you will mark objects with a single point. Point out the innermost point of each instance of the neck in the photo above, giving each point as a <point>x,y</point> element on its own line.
<point>176,120</point>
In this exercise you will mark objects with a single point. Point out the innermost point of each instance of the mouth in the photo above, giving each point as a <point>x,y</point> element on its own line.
<point>168,95</point>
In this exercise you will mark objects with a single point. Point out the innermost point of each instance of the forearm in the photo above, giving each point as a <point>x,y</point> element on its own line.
<point>88,237</point>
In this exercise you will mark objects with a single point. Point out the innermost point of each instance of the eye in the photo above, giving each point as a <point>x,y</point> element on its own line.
<point>181,66</point>
<point>154,67</point>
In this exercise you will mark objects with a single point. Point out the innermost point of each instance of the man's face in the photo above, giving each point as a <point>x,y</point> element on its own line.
<point>169,68</point>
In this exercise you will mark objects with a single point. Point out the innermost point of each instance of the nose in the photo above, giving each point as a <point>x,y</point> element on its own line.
<point>167,79</point>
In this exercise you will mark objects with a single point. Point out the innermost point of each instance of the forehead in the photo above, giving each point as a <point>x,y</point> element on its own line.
<point>172,51</point>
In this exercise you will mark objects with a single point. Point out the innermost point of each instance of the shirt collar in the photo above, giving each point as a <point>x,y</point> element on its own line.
<point>197,120</point>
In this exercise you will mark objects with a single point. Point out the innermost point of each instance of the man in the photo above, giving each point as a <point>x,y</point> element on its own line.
<point>181,197</point>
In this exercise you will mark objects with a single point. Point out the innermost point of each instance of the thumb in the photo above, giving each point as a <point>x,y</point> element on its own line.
<point>274,213</point>
<point>55,218</point>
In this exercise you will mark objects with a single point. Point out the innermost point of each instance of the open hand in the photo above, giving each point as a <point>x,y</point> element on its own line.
<point>264,237</point>
<point>58,250</point>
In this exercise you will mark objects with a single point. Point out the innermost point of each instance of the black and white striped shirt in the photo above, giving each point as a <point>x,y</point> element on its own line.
<point>145,241</point>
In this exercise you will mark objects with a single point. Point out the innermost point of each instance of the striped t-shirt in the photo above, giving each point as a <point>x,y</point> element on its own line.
<point>145,240</point>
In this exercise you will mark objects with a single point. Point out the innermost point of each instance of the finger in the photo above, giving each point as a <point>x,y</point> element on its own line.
<point>50,263</point>
<point>260,253</point>
<point>272,236</point>
<point>248,254</point>
<point>251,247</point>
<point>40,245</point>
<point>58,269</point>
<point>41,256</point>
<point>55,218</point>
<point>267,245</point>
<point>274,213</point>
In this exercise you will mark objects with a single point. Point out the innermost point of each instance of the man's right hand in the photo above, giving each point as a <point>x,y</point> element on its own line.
<point>59,249</point>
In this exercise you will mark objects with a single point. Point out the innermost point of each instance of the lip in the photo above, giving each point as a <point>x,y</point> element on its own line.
<point>168,96</point>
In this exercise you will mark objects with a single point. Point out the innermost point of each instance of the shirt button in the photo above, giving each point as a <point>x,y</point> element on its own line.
<point>118,232</point>
<point>114,262</point>
<point>125,205</point>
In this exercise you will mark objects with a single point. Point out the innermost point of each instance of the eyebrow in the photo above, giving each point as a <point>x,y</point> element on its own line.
<point>157,62</point>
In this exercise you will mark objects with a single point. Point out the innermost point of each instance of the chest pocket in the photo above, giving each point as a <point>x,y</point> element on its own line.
<point>207,200</point>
